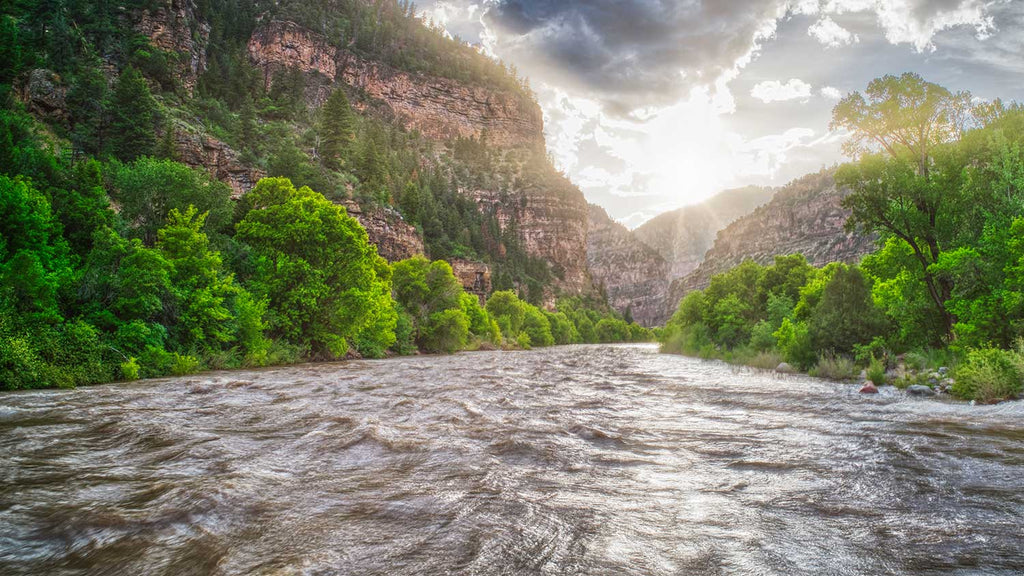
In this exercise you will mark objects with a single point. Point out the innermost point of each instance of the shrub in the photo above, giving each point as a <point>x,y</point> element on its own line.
<point>130,369</point>
<point>834,367</point>
<point>523,341</point>
<point>989,375</point>
<point>184,364</point>
<point>876,371</point>
<point>795,344</point>
<point>446,332</point>
<point>765,360</point>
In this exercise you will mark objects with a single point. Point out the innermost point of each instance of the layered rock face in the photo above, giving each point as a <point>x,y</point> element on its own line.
<point>172,25</point>
<point>219,159</point>
<point>394,237</point>
<point>633,275</point>
<point>550,217</point>
<point>683,236</point>
<point>803,217</point>
<point>439,108</point>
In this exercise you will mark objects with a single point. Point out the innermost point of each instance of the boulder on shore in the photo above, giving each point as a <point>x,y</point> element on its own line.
<point>784,368</point>
<point>919,390</point>
<point>869,388</point>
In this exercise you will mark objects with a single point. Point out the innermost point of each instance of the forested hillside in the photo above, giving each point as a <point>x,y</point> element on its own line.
<point>175,177</point>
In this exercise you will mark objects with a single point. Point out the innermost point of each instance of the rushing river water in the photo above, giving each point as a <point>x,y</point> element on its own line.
<point>571,460</point>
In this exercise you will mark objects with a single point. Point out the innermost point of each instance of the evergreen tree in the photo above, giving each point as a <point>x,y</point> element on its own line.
<point>85,104</point>
<point>133,113</point>
<point>337,130</point>
<point>10,50</point>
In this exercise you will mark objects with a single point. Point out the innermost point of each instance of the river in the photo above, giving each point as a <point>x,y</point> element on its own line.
<point>568,460</point>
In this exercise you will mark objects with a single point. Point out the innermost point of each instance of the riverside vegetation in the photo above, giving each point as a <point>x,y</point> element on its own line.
<point>940,180</point>
<point>119,262</point>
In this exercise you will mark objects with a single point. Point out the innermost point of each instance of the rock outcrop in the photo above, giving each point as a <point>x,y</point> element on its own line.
<point>439,108</point>
<point>43,92</point>
<point>394,237</point>
<point>634,276</point>
<point>474,276</point>
<point>172,25</point>
<point>803,217</point>
<point>220,160</point>
<point>683,236</point>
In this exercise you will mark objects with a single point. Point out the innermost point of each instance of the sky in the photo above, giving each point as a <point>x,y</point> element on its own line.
<point>651,105</point>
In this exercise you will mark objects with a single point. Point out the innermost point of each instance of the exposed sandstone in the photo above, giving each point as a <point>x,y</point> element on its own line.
<point>173,26</point>
<point>439,108</point>
<point>550,219</point>
<point>395,238</point>
<point>683,236</point>
<point>474,276</point>
<point>219,159</point>
<point>633,275</point>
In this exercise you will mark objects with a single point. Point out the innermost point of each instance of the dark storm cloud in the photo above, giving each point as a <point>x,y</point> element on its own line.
<point>629,53</point>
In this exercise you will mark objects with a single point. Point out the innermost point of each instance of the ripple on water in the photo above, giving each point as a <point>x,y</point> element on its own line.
<point>571,460</point>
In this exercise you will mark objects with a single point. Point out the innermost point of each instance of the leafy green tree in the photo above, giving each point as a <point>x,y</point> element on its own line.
<point>508,311</point>
<point>314,264</point>
<point>204,293</point>
<point>148,189</point>
<point>447,331</point>
<point>537,327</point>
<point>34,261</point>
<point>133,116</point>
<point>846,316</point>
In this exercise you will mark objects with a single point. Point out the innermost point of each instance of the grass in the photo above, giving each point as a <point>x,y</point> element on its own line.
<point>834,367</point>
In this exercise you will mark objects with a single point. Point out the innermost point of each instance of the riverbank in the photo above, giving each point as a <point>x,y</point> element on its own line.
<point>914,373</point>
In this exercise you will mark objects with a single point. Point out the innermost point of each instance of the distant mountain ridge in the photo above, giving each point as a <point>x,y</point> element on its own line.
<point>683,236</point>
<point>805,217</point>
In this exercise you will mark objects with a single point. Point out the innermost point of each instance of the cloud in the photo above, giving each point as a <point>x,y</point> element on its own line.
<point>831,34</point>
<point>831,92</point>
<point>775,91</point>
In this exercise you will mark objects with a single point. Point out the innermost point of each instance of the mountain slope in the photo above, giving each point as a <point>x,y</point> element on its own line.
<point>683,236</point>
<point>805,217</point>
<point>633,276</point>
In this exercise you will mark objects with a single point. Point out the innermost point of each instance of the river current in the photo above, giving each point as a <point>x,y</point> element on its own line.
<point>568,460</point>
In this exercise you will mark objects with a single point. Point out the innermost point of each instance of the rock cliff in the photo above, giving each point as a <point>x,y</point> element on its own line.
<point>172,25</point>
<point>803,217</point>
<point>549,216</point>
<point>548,213</point>
<point>220,160</point>
<point>395,238</point>
<point>683,236</point>
<point>439,108</point>
<point>633,275</point>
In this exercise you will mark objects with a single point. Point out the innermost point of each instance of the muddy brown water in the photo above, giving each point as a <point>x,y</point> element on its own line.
<point>569,460</point>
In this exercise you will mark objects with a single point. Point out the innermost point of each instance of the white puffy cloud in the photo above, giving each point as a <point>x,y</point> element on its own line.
<point>831,34</point>
<point>831,92</point>
<point>775,91</point>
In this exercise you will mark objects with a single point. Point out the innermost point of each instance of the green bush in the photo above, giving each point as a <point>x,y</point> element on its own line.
<point>833,367</point>
<point>876,371</point>
<point>446,332</point>
<point>130,369</point>
<point>990,375</point>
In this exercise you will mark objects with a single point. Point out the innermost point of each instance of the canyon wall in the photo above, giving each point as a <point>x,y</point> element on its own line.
<point>803,217</point>
<point>683,236</point>
<point>633,275</point>
<point>439,108</point>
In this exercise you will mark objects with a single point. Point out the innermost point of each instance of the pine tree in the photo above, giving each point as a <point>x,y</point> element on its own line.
<point>133,114</point>
<point>337,130</point>
<point>85,103</point>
